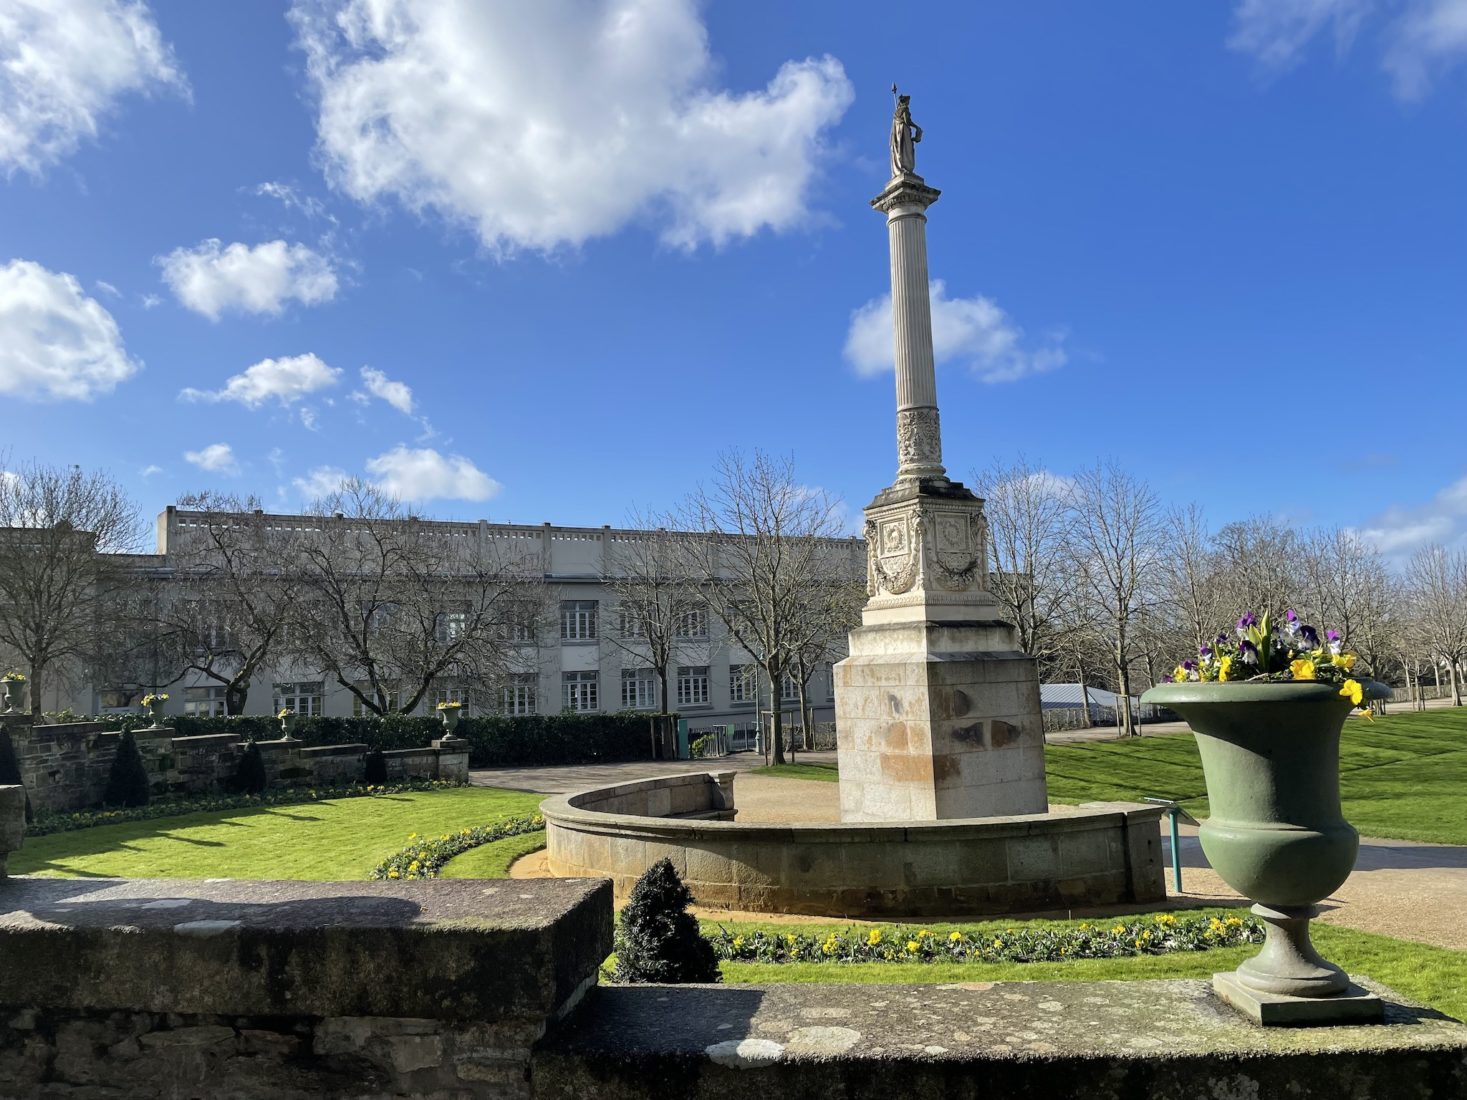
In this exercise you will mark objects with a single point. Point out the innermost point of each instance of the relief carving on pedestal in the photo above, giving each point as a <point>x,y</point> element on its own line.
<point>893,555</point>
<point>919,438</point>
<point>959,555</point>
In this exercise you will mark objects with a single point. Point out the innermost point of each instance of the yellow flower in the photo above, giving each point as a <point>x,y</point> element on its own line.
<point>998,943</point>
<point>912,945</point>
<point>874,938</point>
<point>1118,929</point>
<point>1179,674</point>
<point>955,937</point>
<point>1352,691</point>
<point>1345,661</point>
<point>393,873</point>
<point>1303,669</point>
<point>738,942</point>
<point>1225,669</point>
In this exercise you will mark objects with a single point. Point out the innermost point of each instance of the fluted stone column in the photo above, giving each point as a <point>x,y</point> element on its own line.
<point>937,712</point>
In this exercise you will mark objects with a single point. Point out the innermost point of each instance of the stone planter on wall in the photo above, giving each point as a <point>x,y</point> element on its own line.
<point>1271,759</point>
<point>14,696</point>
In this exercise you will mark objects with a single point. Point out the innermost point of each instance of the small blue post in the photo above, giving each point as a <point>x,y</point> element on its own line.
<point>1176,849</point>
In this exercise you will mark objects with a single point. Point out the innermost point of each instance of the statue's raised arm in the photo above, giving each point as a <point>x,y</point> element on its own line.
<point>904,137</point>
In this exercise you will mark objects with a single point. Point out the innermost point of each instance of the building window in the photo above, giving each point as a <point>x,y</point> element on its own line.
<point>578,620</point>
<point>741,683</point>
<point>580,690</point>
<point>638,689</point>
<point>519,623</point>
<point>449,627</point>
<point>692,622</point>
<point>359,709</point>
<point>519,694</point>
<point>204,702</point>
<point>828,671</point>
<point>458,695</point>
<point>692,686</point>
<point>789,688</point>
<point>630,622</point>
<point>304,698</point>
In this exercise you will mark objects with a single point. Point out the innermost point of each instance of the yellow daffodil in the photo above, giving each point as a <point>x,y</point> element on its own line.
<point>1303,669</point>
<point>1345,661</point>
<point>1352,691</point>
<point>874,938</point>
<point>955,937</point>
<point>912,946</point>
<point>1225,669</point>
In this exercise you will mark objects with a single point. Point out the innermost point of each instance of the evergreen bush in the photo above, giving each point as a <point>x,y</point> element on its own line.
<point>251,777</point>
<point>657,939</point>
<point>127,782</point>
<point>376,768</point>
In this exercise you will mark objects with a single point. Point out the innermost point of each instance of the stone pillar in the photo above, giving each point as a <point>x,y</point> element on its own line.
<point>919,438</point>
<point>937,711</point>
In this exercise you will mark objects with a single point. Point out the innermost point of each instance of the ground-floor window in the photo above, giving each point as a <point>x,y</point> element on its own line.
<point>519,694</point>
<point>360,709</point>
<point>304,697</point>
<point>638,689</point>
<point>580,691</point>
<point>692,686</point>
<point>204,702</point>
<point>741,683</point>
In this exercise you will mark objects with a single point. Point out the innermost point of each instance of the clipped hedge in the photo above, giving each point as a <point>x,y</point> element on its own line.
<point>494,741</point>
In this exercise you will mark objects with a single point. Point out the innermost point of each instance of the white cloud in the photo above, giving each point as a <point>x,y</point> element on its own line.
<point>1421,39</point>
<point>216,458</point>
<point>973,331</point>
<point>55,342</point>
<point>286,380</point>
<point>424,474</point>
<point>108,289</point>
<point>292,199</point>
<point>151,301</point>
<point>551,123</point>
<point>397,394</point>
<point>213,279</point>
<point>63,64</point>
<point>1400,529</point>
<point>150,470</point>
<point>1430,36</point>
<point>320,482</point>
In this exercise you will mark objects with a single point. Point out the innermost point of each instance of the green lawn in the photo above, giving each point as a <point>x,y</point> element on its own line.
<point>1401,776</point>
<point>342,839</point>
<point>493,860</point>
<point>1431,975</point>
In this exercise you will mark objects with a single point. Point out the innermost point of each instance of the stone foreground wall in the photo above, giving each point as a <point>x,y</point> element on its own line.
<point>288,991</point>
<point>65,766</point>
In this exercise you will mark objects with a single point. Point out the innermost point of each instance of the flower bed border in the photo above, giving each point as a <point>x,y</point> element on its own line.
<point>87,819</point>
<point>425,858</point>
<point>1162,934</point>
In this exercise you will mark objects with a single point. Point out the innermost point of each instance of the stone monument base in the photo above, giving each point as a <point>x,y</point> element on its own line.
<point>938,720</point>
<point>1355,1005</point>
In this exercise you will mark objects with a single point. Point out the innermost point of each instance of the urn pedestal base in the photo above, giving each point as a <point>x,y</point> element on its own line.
<point>1356,1005</point>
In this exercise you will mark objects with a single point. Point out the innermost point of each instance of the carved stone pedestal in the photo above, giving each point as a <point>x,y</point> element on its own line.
<point>937,712</point>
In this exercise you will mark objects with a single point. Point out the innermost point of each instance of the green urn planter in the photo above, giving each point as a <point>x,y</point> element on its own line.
<point>1271,758</point>
<point>14,696</point>
<point>287,726</point>
<point>450,716</point>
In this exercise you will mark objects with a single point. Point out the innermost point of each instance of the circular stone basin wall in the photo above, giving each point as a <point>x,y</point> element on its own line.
<point>1097,854</point>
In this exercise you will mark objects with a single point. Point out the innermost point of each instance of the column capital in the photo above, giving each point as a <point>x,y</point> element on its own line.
<point>905,190</point>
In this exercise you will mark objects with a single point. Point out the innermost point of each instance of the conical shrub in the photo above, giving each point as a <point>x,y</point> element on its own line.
<point>657,939</point>
<point>127,782</point>
<point>250,778</point>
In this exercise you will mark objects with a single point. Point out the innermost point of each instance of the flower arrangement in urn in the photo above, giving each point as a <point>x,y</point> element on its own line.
<point>287,718</point>
<point>14,685</point>
<point>450,712</point>
<point>154,702</point>
<point>1268,706</point>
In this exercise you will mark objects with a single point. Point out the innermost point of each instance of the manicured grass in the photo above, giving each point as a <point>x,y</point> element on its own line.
<point>825,773</point>
<point>492,860</point>
<point>1401,776</point>
<point>338,840</point>
<point>1431,975</point>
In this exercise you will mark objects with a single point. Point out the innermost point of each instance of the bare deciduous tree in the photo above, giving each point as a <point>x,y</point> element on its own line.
<point>61,531</point>
<point>393,605</point>
<point>234,588</point>
<point>1191,576</point>
<point>1436,580</point>
<point>1028,512</point>
<point>1116,544</point>
<point>763,542</point>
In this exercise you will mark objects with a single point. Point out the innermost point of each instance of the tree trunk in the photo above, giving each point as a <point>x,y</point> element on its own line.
<point>235,694</point>
<point>1456,681</point>
<point>806,740</point>
<point>34,687</point>
<point>776,718</point>
<point>1123,680</point>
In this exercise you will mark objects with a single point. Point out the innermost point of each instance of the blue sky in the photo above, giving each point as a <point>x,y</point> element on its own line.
<point>544,262</point>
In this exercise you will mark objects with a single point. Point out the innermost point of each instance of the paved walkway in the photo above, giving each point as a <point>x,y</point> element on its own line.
<point>565,778</point>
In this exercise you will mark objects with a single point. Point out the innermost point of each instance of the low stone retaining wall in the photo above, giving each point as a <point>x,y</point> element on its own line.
<point>65,766</point>
<point>1098,854</point>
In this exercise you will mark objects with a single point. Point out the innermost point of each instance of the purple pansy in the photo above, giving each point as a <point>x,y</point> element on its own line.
<point>1248,619</point>
<point>1309,635</point>
<point>1248,652</point>
<point>1291,621</point>
<point>1204,651</point>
